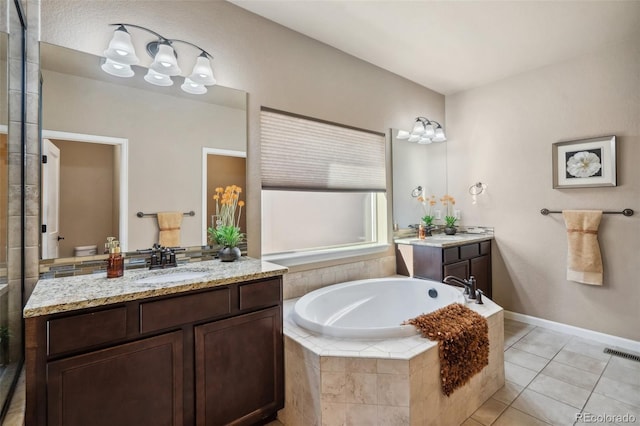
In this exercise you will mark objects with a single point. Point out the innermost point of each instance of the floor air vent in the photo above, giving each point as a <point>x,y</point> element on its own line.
<point>622,354</point>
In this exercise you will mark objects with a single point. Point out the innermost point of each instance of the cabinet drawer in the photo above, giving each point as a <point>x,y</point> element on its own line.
<point>450,255</point>
<point>180,310</point>
<point>469,251</point>
<point>262,293</point>
<point>485,247</point>
<point>86,330</point>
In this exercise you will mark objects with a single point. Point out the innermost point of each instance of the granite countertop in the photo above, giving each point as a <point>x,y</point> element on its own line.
<point>442,240</point>
<point>57,295</point>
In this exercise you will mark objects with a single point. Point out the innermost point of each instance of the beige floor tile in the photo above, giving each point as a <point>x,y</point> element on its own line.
<point>583,362</point>
<point>518,375</point>
<point>588,348</point>
<point>525,359</point>
<point>275,423</point>
<point>571,375</point>
<point>471,422</point>
<point>508,392</point>
<point>621,373</point>
<point>545,408</point>
<point>513,417</point>
<point>624,392</point>
<point>543,343</point>
<point>626,363</point>
<point>489,411</point>
<point>561,391</point>
<point>517,326</point>
<point>600,405</point>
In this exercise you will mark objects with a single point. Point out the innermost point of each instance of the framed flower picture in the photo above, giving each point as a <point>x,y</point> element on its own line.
<point>584,163</point>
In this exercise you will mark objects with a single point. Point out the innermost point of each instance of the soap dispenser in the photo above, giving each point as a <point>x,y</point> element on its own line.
<point>115,263</point>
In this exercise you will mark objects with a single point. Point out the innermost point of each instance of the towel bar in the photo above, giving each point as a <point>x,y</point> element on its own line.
<point>625,212</point>
<point>140,214</point>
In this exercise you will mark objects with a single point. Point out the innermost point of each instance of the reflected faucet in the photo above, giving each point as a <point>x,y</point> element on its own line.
<point>470,290</point>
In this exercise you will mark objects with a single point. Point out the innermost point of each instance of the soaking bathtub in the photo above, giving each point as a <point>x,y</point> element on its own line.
<point>372,308</point>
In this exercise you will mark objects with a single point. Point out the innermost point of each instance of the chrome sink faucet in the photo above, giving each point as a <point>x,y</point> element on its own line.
<point>470,290</point>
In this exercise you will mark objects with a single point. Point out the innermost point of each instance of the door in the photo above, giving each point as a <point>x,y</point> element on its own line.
<point>134,384</point>
<point>239,369</point>
<point>481,270</point>
<point>50,199</point>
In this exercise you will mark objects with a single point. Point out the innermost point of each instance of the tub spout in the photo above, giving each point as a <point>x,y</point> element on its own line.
<point>469,285</point>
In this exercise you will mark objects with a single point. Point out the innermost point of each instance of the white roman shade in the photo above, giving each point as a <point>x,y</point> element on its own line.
<point>304,154</point>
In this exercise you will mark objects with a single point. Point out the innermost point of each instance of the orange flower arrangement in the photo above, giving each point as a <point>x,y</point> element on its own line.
<point>227,201</point>
<point>226,230</point>
<point>448,202</point>
<point>431,201</point>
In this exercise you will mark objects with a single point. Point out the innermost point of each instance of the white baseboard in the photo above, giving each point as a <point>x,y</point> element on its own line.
<point>607,339</point>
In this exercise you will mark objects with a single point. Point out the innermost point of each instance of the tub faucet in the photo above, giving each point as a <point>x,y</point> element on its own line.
<point>469,285</point>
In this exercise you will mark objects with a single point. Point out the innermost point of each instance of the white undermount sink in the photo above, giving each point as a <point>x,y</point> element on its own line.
<point>171,277</point>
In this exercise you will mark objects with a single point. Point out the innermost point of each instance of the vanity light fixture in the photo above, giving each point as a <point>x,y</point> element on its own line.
<point>120,55</point>
<point>424,131</point>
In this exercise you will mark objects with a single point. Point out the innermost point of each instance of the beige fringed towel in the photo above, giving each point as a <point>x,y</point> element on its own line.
<point>584,262</point>
<point>169,224</point>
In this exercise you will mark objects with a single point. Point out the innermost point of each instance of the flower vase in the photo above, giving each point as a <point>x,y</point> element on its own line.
<point>450,230</point>
<point>229,254</point>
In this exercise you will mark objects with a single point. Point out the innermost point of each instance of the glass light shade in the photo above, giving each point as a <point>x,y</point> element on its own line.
<point>418,128</point>
<point>414,138</point>
<point>202,73</point>
<point>429,131</point>
<point>192,87</point>
<point>121,49</point>
<point>115,68</point>
<point>439,135</point>
<point>403,134</point>
<point>165,61</point>
<point>158,79</point>
<point>424,140</point>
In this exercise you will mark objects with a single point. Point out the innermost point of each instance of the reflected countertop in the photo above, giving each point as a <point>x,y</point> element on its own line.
<point>442,240</point>
<point>57,295</point>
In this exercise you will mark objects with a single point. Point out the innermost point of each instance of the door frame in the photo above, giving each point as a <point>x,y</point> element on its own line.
<point>205,152</point>
<point>124,172</point>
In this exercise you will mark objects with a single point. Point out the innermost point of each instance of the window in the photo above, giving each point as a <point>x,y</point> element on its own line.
<point>322,185</point>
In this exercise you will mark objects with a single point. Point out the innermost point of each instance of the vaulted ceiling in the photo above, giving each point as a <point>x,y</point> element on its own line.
<point>450,46</point>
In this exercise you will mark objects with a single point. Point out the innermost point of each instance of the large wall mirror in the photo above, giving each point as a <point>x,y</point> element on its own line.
<point>119,146</point>
<point>414,166</point>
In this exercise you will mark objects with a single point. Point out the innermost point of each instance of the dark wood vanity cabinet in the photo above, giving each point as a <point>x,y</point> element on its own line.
<point>206,357</point>
<point>436,263</point>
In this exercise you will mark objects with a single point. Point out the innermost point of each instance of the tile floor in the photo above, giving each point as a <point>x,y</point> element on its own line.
<point>552,377</point>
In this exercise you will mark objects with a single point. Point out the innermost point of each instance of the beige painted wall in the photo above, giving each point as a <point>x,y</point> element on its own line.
<point>502,133</point>
<point>86,195</point>
<point>278,67</point>
<point>165,138</point>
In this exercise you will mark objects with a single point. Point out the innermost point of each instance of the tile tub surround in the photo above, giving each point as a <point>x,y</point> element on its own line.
<point>70,293</point>
<point>330,381</point>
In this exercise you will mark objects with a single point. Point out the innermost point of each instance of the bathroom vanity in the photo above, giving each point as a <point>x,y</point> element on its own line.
<point>194,345</point>
<point>461,255</point>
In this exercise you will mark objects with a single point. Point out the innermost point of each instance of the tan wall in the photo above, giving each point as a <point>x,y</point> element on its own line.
<point>86,195</point>
<point>276,66</point>
<point>165,138</point>
<point>502,134</point>
<point>4,177</point>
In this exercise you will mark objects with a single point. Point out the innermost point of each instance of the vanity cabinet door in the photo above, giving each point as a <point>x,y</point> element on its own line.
<point>481,270</point>
<point>138,383</point>
<point>458,269</point>
<point>239,369</point>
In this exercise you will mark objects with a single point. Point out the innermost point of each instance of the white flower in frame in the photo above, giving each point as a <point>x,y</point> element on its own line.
<point>583,164</point>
